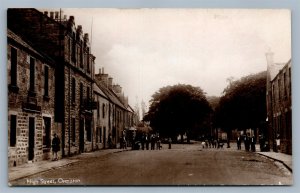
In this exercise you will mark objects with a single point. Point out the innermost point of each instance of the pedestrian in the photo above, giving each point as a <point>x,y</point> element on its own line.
<point>203,144</point>
<point>158,143</point>
<point>147,142</point>
<point>239,141</point>
<point>109,141</point>
<point>152,140</point>
<point>253,143</point>
<point>143,141</point>
<point>124,143</point>
<point>170,142</point>
<point>215,143</point>
<point>277,143</point>
<point>55,147</point>
<point>247,142</point>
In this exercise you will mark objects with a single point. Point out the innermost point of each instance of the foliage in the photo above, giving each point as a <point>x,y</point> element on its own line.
<point>177,109</point>
<point>243,104</point>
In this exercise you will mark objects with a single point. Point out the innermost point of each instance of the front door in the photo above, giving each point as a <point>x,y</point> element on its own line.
<point>31,139</point>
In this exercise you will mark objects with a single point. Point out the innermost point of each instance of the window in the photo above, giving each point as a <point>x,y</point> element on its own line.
<point>13,70</point>
<point>81,94</point>
<point>73,130</point>
<point>98,109</point>
<point>103,110</point>
<point>73,90</point>
<point>46,81</point>
<point>13,130</point>
<point>81,57</point>
<point>47,132</point>
<point>32,74</point>
<point>88,93</point>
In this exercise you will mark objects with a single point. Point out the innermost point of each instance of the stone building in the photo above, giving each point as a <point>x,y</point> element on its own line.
<point>279,104</point>
<point>31,91</point>
<point>101,117</point>
<point>69,47</point>
<point>119,114</point>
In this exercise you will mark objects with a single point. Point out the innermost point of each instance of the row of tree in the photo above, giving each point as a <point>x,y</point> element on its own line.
<point>185,109</point>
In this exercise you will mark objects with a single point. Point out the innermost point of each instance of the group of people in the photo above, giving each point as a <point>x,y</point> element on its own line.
<point>153,140</point>
<point>249,142</point>
<point>212,143</point>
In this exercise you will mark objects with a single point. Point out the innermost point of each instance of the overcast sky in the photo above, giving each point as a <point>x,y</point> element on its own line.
<point>146,49</point>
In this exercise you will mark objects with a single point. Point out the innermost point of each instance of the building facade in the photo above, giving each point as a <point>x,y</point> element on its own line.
<point>120,116</point>
<point>31,91</point>
<point>69,47</point>
<point>101,118</point>
<point>279,105</point>
<point>52,89</point>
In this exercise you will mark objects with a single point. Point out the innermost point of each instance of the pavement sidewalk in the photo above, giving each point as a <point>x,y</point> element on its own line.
<point>283,158</point>
<point>29,169</point>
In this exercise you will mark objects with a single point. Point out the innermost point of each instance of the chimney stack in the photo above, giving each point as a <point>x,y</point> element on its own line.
<point>56,15</point>
<point>46,13</point>
<point>51,14</point>
<point>110,80</point>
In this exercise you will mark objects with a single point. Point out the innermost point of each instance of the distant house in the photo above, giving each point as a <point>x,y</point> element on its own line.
<point>31,91</point>
<point>120,115</point>
<point>101,118</point>
<point>279,104</point>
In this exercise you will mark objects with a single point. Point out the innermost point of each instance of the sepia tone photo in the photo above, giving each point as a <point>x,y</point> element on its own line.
<point>151,97</point>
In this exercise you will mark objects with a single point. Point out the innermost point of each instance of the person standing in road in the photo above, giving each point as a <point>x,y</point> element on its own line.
<point>147,141</point>
<point>170,142</point>
<point>143,141</point>
<point>239,141</point>
<point>253,143</point>
<point>55,147</point>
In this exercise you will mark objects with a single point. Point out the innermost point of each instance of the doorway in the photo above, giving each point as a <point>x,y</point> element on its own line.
<point>31,138</point>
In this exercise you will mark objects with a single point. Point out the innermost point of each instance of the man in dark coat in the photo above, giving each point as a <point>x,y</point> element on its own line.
<point>55,146</point>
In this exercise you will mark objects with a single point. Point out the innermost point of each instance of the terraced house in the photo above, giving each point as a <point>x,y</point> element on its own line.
<point>279,105</point>
<point>31,89</point>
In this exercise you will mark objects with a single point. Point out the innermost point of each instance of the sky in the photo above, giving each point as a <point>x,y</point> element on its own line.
<point>146,49</point>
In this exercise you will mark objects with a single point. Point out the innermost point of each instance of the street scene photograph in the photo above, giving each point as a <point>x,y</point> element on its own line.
<point>149,97</point>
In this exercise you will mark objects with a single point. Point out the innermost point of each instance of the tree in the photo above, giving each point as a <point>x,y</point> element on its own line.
<point>177,110</point>
<point>243,104</point>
